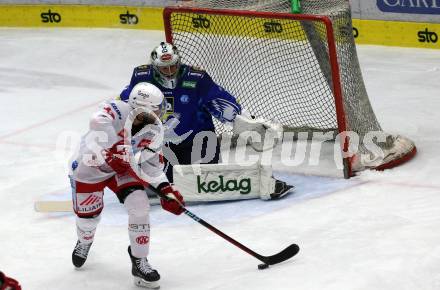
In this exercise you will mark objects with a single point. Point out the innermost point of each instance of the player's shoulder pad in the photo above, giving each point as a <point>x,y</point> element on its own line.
<point>195,72</point>
<point>142,70</point>
<point>120,107</point>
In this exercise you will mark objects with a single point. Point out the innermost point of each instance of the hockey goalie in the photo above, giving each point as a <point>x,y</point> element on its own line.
<point>193,150</point>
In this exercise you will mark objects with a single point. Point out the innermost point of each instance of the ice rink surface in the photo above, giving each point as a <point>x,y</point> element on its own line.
<point>379,230</point>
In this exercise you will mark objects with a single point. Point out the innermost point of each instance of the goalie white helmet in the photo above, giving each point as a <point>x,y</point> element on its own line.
<point>148,96</point>
<point>165,60</point>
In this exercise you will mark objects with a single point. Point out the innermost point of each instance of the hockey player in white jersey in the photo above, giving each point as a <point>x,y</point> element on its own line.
<point>119,131</point>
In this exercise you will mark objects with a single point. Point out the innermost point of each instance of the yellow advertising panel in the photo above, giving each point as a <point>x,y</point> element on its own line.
<point>81,16</point>
<point>379,32</point>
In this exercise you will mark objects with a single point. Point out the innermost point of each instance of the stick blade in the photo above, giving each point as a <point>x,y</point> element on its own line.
<point>282,256</point>
<point>53,206</point>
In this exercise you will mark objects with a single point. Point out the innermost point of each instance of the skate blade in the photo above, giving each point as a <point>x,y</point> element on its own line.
<point>146,284</point>
<point>281,195</point>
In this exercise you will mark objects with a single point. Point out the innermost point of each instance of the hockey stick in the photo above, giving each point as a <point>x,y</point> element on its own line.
<point>53,206</point>
<point>48,206</point>
<point>282,256</point>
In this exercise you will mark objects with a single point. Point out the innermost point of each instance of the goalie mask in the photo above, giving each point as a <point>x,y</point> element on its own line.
<point>165,60</point>
<point>147,96</point>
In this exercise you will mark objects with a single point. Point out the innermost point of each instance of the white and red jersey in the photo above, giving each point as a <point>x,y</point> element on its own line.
<point>108,126</point>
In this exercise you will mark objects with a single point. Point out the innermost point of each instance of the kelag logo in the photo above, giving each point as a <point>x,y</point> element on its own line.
<point>51,17</point>
<point>410,6</point>
<point>273,26</point>
<point>427,36</point>
<point>128,18</point>
<point>201,22</point>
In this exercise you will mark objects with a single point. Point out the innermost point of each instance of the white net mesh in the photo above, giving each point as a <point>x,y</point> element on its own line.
<point>280,68</point>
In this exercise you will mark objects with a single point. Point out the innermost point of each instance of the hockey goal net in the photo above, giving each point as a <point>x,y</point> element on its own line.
<point>301,70</point>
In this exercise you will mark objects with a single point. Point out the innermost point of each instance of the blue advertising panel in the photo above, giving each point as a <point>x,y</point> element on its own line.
<point>410,6</point>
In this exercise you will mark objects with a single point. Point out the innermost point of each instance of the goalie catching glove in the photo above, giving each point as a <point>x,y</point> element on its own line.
<point>260,134</point>
<point>173,201</point>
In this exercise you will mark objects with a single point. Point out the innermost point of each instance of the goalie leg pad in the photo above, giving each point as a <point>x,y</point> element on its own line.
<point>217,182</point>
<point>220,182</point>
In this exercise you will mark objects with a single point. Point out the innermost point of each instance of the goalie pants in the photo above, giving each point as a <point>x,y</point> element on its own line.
<point>186,153</point>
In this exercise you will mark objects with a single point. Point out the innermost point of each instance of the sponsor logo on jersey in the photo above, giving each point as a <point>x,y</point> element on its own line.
<point>201,22</point>
<point>142,240</point>
<point>142,70</point>
<point>90,204</point>
<point>242,185</point>
<point>427,36</point>
<point>189,84</point>
<point>91,199</point>
<point>50,17</point>
<point>410,6</point>
<point>74,165</point>
<point>195,74</point>
<point>128,18</point>
<point>142,73</point>
<point>272,27</point>
<point>184,99</point>
<point>117,110</point>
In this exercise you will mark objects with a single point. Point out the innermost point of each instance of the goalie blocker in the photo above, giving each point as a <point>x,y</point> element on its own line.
<point>221,182</point>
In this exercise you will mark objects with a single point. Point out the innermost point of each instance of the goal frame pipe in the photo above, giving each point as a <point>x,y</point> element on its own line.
<point>336,78</point>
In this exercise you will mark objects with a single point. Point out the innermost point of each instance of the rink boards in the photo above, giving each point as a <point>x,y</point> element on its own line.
<point>377,32</point>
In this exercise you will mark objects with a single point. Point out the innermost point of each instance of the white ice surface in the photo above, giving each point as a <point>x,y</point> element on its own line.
<point>379,230</point>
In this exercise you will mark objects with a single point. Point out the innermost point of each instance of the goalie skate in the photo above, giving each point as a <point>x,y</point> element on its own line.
<point>143,274</point>
<point>281,189</point>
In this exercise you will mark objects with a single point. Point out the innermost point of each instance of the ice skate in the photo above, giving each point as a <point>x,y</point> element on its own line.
<point>144,275</point>
<point>79,254</point>
<point>281,189</point>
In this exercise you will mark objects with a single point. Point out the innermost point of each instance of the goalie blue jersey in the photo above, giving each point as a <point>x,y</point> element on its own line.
<point>193,101</point>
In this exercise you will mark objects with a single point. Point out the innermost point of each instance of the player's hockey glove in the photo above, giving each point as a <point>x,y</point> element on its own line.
<point>8,283</point>
<point>117,158</point>
<point>174,200</point>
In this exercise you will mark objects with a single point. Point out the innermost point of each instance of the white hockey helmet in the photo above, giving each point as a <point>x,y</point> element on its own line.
<point>148,96</point>
<point>165,60</point>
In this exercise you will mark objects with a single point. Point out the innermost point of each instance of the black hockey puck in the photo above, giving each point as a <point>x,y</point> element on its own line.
<point>263,266</point>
